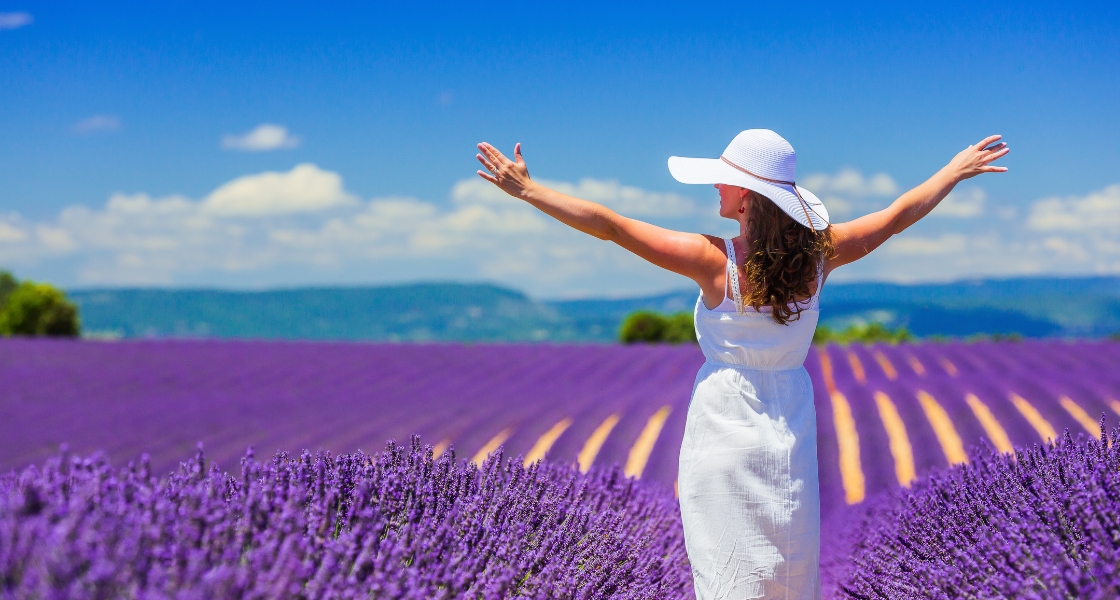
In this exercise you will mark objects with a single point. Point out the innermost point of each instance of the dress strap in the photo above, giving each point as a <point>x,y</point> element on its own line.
<point>733,275</point>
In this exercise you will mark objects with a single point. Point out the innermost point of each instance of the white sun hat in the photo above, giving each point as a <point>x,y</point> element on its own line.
<point>762,161</point>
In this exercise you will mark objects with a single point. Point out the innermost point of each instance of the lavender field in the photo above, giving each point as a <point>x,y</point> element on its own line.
<point>886,414</point>
<point>78,511</point>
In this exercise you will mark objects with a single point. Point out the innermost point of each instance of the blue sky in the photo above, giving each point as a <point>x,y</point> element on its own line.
<point>126,156</point>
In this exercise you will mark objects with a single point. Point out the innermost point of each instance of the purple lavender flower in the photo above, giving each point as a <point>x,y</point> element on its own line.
<point>1044,523</point>
<point>398,525</point>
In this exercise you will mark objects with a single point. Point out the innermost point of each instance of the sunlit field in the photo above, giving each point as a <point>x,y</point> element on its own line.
<point>886,414</point>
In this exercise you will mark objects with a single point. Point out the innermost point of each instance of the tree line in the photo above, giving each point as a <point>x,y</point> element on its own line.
<point>30,308</point>
<point>650,327</point>
<point>646,326</point>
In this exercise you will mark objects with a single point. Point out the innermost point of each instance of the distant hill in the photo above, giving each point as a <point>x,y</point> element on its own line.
<point>424,312</point>
<point>1033,307</point>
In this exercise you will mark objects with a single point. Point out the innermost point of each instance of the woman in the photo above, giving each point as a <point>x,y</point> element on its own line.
<point>748,463</point>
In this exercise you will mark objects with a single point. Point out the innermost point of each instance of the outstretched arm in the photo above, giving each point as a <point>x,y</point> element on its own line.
<point>689,254</point>
<point>856,239</point>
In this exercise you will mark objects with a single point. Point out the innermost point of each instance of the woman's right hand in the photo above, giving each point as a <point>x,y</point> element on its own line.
<point>977,159</point>
<point>512,176</point>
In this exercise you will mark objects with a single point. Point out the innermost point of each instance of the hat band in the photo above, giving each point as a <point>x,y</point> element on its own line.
<point>804,205</point>
<point>767,179</point>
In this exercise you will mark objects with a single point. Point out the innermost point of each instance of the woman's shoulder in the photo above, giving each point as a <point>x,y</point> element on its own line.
<point>719,244</point>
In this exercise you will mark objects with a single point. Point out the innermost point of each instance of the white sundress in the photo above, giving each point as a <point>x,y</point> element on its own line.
<point>748,465</point>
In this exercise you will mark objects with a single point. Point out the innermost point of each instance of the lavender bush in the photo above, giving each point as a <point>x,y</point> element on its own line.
<point>1042,524</point>
<point>400,525</point>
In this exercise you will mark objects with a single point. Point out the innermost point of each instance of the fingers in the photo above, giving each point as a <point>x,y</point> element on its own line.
<point>517,154</point>
<point>488,151</point>
<point>489,167</point>
<point>488,177</point>
<point>993,156</point>
<point>1001,152</point>
<point>988,140</point>
<point>492,153</point>
<point>998,151</point>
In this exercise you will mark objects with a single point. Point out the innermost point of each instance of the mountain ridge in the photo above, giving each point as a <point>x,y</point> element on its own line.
<point>439,311</point>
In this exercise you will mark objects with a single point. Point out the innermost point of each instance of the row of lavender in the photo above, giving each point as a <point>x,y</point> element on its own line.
<point>886,413</point>
<point>916,407</point>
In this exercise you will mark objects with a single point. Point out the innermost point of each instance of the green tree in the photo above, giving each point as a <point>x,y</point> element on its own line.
<point>862,334</point>
<point>994,337</point>
<point>38,309</point>
<point>824,334</point>
<point>681,329</point>
<point>649,327</point>
<point>643,326</point>
<point>877,332</point>
<point>7,286</point>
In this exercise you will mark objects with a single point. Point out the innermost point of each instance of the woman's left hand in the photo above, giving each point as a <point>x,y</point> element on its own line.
<point>512,176</point>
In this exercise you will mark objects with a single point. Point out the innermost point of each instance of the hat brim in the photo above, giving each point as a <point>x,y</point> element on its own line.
<point>811,213</point>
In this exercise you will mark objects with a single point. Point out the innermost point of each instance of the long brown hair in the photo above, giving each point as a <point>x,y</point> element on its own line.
<point>782,260</point>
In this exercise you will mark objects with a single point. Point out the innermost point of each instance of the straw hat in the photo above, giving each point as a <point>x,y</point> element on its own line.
<point>762,161</point>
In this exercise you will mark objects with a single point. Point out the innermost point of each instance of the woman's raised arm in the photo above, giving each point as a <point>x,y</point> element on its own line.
<point>856,239</point>
<point>693,255</point>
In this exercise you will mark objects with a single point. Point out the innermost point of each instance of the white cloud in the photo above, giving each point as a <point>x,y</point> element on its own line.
<point>479,191</point>
<point>55,239</point>
<point>17,239</point>
<point>850,183</point>
<point>849,193</point>
<point>267,136</point>
<point>837,207</point>
<point>9,233</point>
<point>961,204</point>
<point>306,188</point>
<point>1073,235</point>
<point>1098,211</point>
<point>286,228</point>
<point>138,239</point>
<point>97,123</point>
<point>626,200</point>
<point>950,243</point>
<point>251,224</point>
<point>15,20</point>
